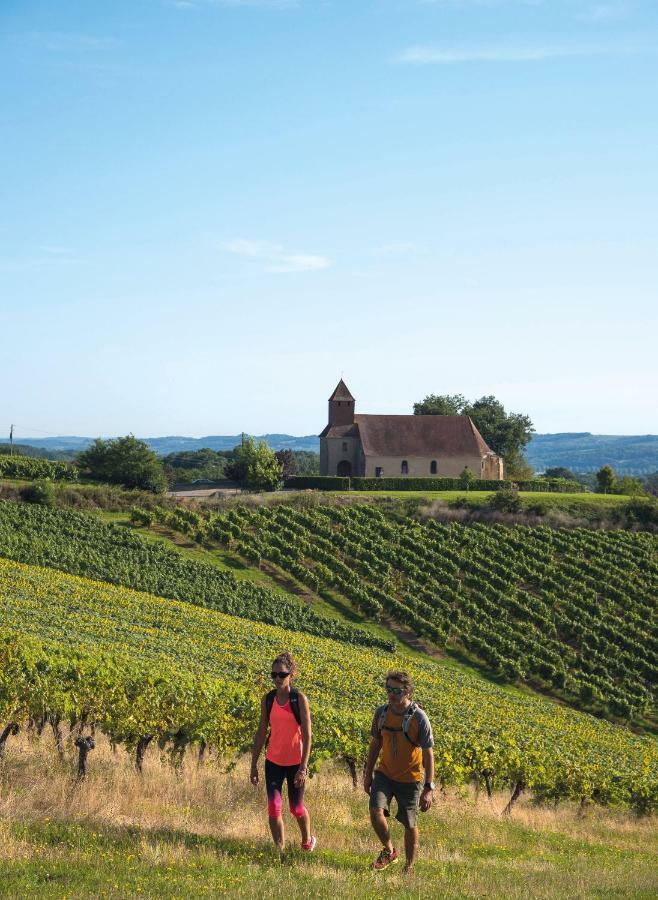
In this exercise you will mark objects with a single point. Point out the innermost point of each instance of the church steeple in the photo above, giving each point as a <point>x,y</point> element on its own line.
<point>341,405</point>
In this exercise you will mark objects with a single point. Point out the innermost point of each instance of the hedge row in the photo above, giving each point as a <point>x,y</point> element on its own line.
<point>333,483</point>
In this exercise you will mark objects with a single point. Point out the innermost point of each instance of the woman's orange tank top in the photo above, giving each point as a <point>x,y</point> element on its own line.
<point>285,745</point>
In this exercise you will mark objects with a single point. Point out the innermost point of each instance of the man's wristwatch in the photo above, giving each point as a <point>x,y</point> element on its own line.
<point>428,786</point>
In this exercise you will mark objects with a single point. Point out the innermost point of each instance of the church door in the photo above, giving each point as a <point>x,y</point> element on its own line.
<point>344,468</point>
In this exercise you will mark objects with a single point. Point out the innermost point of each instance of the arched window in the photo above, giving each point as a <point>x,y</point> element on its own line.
<point>404,468</point>
<point>433,467</point>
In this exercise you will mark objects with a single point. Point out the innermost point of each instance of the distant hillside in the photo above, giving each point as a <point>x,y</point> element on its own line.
<point>585,452</point>
<point>176,444</point>
<point>579,451</point>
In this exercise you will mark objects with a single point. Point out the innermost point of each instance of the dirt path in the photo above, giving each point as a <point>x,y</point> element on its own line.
<point>410,638</point>
<point>286,583</point>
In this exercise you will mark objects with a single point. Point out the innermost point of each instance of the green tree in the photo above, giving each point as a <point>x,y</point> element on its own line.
<point>287,461</point>
<point>560,472</point>
<point>506,433</point>
<point>255,466</point>
<point>651,483</point>
<point>124,460</point>
<point>517,468</point>
<point>606,480</point>
<point>466,478</point>
<point>632,487</point>
<point>190,465</point>
<point>307,462</point>
<point>440,405</point>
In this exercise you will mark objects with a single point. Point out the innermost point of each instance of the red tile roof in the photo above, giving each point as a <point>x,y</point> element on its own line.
<point>424,436</point>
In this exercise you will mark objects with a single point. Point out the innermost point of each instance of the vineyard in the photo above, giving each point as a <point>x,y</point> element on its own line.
<point>82,545</point>
<point>143,669</point>
<point>567,610</point>
<point>29,468</point>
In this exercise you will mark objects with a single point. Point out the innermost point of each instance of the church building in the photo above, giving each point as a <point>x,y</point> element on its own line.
<point>355,444</point>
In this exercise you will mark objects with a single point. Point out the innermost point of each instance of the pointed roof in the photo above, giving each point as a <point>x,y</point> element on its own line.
<point>341,392</point>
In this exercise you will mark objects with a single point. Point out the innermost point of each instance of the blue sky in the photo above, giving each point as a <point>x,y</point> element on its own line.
<point>211,209</point>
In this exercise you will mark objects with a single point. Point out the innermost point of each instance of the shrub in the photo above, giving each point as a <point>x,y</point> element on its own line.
<point>41,492</point>
<point>506,500</point>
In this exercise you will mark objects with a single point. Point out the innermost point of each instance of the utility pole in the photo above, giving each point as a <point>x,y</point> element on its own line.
<point>11,441</point>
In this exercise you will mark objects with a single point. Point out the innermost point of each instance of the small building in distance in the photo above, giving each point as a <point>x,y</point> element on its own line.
<point>355,444</point>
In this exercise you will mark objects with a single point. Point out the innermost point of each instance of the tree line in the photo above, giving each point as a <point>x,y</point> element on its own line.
<point>132,463</point>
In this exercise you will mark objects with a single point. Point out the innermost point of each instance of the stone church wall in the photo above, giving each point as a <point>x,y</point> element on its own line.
<point>332,453</point>
<point>419,467</point>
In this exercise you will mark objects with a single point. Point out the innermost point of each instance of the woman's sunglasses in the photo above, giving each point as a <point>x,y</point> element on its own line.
<point>280,674</point>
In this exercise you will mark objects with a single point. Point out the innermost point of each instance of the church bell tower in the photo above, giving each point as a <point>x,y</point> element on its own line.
<point>341,406</point>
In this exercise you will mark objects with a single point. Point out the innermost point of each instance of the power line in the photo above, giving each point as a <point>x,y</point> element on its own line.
<point>40,431</point>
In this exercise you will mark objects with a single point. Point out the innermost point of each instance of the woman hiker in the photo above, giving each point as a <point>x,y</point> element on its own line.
<point>285,712</point>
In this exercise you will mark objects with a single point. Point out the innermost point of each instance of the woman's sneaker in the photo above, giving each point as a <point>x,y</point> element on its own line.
<point>385,859</point>
<point>309,846</point>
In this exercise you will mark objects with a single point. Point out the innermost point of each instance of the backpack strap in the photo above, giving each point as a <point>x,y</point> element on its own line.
<point>294,704</point>
<point>269,703</point>
<point>382,718</point>
<point>406,722</point>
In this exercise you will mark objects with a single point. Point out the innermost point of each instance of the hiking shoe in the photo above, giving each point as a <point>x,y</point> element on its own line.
<point>309,846</point>
<point>385,859</point>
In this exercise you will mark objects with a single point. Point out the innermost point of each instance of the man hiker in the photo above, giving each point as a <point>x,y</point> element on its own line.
<point>401,739</point>
<point>285,713</point>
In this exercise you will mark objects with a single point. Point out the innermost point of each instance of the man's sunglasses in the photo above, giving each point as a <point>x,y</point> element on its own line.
<point>391,690</point>
<point>280,674</point>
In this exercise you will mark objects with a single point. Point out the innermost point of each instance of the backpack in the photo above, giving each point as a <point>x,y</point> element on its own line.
<point>406,721</point>
<point>294,704</point>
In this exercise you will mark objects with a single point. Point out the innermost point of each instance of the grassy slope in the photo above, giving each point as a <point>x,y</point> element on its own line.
<point>575,503</point>
<point>203,833</point>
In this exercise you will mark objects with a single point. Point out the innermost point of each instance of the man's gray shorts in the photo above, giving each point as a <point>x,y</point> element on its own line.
<point>407,794</point>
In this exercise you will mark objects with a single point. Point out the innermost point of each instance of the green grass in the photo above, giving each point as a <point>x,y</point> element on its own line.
<point>477,498</point>
<point>160,850</point>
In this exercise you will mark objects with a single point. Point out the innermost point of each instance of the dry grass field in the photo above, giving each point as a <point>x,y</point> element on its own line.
<point>202,832</point>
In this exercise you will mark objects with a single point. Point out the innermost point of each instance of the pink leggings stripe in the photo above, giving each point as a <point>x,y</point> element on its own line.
<point>275,776</point>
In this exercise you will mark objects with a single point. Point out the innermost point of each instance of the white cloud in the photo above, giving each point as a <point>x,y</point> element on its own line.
<point>275,257</point>
<point>425,55</point>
